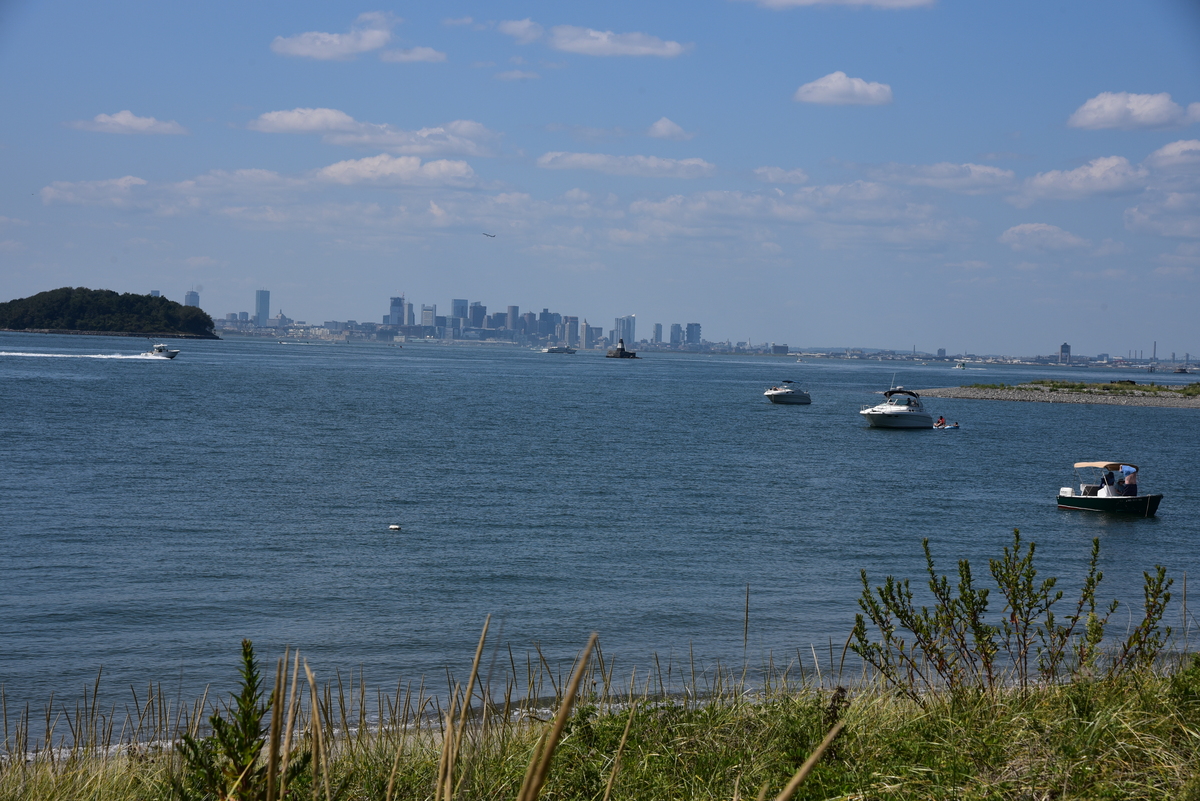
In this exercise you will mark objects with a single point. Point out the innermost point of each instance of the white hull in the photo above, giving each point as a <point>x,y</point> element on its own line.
<point>895,419</point>
<point>789,398</point>
<point>161,352</point>
<point>902,409</point>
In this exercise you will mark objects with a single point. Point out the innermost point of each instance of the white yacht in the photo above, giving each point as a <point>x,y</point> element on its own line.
<point>161,351</point>
<point>558,349</point>
<point>787,392</point>
<point>902,409</point>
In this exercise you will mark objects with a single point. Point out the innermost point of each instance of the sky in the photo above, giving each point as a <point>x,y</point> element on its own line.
<point>986,176</point>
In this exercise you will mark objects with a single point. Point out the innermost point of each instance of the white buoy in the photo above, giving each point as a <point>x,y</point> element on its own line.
<point>393,527</point>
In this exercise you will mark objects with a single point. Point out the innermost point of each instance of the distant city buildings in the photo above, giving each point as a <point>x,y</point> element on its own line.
<point>154,293</point>
<point>262,306</point>
<point>625,329</point>
<point>1064,354</point>
<point>191,298</point>
<point>468,321</point>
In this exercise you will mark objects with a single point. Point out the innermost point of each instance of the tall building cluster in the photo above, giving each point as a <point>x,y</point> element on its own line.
<point>467,321</point>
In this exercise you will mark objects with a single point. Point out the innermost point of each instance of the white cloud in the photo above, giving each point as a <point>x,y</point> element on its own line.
<point>643,166</point>
<point>1184,153</point>
<point>370,31</point>
<point>1174,214</point>
<point>395,170</point>
<point>523,30</point>
<point>117,192</point>
<point>517,75</point>
<point>778,175</point>
<point>1109,175</point>
<point>1126,110</point>
<point>305,120</point>
<point>968,178</point>
<point>778,4</point>
<point>666,129</point>
<point>837,89</point>
<point>412,55</point>
<point>1041,237</point>
<point>126,122</point>
<point>465,137</point>
<point>589,42</point>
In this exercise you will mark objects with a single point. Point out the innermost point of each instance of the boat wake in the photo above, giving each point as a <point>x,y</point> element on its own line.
<point>136,356</point>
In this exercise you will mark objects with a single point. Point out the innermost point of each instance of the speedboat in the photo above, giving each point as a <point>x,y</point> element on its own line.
<point>558,349</point>
<point>160,351</point>
<point>960,366</point>
<point>787,392</point>
<point>902,409</point>
<point>1105,492</point>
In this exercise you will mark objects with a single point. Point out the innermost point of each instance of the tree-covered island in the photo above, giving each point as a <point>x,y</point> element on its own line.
<point>103,311</point>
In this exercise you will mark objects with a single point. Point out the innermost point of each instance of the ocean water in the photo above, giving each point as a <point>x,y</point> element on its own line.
<point>153,513</point>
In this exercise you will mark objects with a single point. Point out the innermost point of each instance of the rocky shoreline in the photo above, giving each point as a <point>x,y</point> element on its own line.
<point>1047,395</point>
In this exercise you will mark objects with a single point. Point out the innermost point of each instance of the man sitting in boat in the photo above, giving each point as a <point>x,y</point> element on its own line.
<point>1128,484</point>
<point>1107,486</point>
<point>941,423</point>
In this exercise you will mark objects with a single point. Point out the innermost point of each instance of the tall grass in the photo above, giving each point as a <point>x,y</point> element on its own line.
<point>1119,721</point>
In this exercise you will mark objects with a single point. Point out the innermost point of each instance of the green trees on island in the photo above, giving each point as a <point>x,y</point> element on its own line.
<point>82,309</point>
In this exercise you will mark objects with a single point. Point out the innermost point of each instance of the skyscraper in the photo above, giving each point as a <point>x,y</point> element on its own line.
<point>1064,353</point>
<point>693,333</point>
<point>570,331</point>
<point>657,334</point>
<point>191,298</point>
<point>587,335</point>
<point>514,315</point>
<point>396,315</point>
<point>262,307</point>
<point>428,313</point>
<point>624,328</point>
<point>477,314</point>
<point>458,308</point>
<point>676,334</point>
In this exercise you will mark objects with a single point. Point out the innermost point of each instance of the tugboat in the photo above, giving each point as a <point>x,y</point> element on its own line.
<point>620,352</point>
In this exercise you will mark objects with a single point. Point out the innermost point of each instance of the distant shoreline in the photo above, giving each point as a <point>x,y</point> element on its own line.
<point>105,333</point>
<point>1062,396</point>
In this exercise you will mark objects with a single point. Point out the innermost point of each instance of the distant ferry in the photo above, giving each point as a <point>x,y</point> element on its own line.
<point>558,349</point>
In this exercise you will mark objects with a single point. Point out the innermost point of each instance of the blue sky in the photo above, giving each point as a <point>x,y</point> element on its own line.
<point>992,177</point>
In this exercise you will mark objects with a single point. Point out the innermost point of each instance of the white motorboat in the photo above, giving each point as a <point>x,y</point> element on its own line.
<point>161,351</point>
<point>902,409</point>
<point>558,349</point>
<point>788,393</point>
<point>960,366</point>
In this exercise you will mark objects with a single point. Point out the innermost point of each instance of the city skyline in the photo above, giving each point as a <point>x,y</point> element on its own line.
<point>988,177</point>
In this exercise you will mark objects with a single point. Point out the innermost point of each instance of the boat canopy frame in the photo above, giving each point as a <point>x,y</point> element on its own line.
<point>1114,466</point>
<point>900,391</point>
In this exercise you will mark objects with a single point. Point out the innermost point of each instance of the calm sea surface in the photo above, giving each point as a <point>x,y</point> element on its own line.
<point>153,513</point>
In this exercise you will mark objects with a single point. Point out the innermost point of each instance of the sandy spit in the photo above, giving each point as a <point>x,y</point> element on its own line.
<point>1060,396</point>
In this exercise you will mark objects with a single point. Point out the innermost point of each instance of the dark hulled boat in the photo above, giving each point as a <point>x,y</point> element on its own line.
<point>1105,494</point>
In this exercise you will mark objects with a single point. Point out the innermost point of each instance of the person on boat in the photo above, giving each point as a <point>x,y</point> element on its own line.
<point>1107,485</point>
<point>1130,480</point>
<point>941,422</point>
